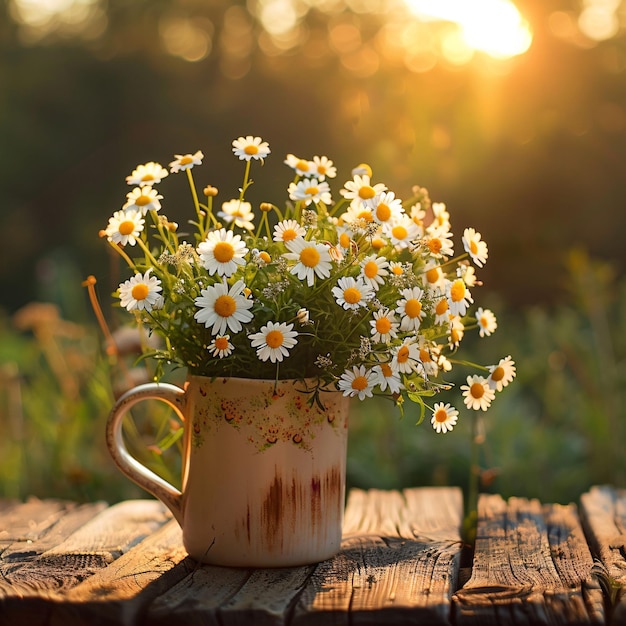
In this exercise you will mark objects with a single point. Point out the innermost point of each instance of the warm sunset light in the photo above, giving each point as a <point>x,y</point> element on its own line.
<point>492,26</point>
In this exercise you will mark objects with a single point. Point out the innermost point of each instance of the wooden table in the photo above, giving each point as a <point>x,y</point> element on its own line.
<point>401,562</point>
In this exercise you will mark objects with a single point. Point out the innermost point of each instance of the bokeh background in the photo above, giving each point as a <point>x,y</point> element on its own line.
<point>513,114</point>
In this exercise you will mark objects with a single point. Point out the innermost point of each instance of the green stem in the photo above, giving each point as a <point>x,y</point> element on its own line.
<point>471,517</point>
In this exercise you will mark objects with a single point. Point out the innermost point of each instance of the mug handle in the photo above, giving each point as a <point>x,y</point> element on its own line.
<point>133,469</point>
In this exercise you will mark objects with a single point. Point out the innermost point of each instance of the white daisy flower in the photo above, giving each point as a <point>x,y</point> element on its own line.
<point>374,270</point>
<point>487,323</point>
<point>476,248</point>
<point>313,259</point>
<point>352,294</point>
<point>321,167</point>
<point>249,147</point>
<point>456,331</point>
<point>386,207</point>
<point>358,216</point>
<point>186,161</point>
<point>274,341</point>
<point>220,346</point>
<point>468,274</point>
<point>429,357</point>
<point>310,190</point>
<point>441,217</point>
<point>439,243</point>
<point>441,311</point>
<point>124,227</point>
<point>434,278</point>
<point>143,199</point>
<point>288,230</point>
<point>384,326</point>
<point>477,394</point>
<point>358,382</point>
<point>222,308</point>
<point>417,214</point>
<point>502,374</point>
<point>387,378</point>
<point>141,293</point>
<point>238,211</point>
<point>222,252</point>
<point>459,297</point>
<point>406,356</point>
<point>410,309</point>
<point>403,232</point>
<point>361,190</point>
<point>444,417</point>
<point>147,175</point>
<point>302,167</point>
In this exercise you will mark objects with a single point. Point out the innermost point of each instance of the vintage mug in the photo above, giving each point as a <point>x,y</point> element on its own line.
<point>263,468</point>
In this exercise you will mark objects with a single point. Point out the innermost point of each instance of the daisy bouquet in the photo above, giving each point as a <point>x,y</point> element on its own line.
<point>358,290</point>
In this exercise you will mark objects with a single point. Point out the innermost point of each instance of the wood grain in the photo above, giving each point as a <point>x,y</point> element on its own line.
<point>531,566</point>
<point>603,513</point>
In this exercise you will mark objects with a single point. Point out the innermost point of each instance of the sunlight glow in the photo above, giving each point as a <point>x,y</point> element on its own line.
<point>495,27</point>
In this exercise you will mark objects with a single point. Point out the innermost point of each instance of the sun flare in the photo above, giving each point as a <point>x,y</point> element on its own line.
<point>495,27</point>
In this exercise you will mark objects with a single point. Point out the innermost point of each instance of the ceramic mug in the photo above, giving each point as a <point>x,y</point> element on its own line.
<point>263,472</point>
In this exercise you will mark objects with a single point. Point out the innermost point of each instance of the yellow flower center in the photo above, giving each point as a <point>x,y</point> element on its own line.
<point>321,170</point>
<point>223,252</point>
<point>366,216</point>
<point>140,291</point>
<point>359,383</point>
<point>126,227</point>
<point>351,295</point>
<point>378,243</point>
<point>413,308</point>
<point>366,192</point>
<point>455,337</point>
<point>383,325</point>
<point>383,212</point>
<point>274,339</point>
<point>186,160</point>
<point>442,307</point>
<point>483,321</point>
<point>142,200</point>
<point>397,270</point>
<point>302,165</point>
<point>425,356</point>
<point>370,269</point>
<point>435,245</point>
<point>311,191</point>
<point>309,257</point>
<point>477,391</point>
<point>225,305</point>
<point>457,291</point>
<point>146,177</point>
<point>221,343</point>
<point>432,275</point>
<point>403,354</point>
<point>289,234</point>
<point>344,240</point>
<point>473,247</point>
<point>441,415</point>
<point>497,374</point>
<point>385,368</point>
<point>264,256</point>
<point>399,232</point>
<point>251,149</point>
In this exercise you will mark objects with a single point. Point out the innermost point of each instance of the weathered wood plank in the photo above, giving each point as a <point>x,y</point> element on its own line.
<point>603,512</point>
<point>531,566</point>
<point>120,593</point>
<point>94,543</point>
<point>394,565</point>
